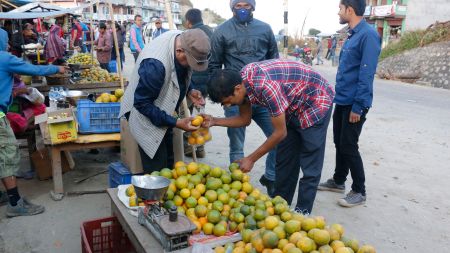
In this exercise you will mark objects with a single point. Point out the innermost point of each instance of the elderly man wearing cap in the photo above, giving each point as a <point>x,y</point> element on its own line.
<point>235,43</point>
<point>159,83</point>
<point>159,29</point>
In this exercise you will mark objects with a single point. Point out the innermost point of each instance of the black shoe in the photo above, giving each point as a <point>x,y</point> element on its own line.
<point>270,185</point>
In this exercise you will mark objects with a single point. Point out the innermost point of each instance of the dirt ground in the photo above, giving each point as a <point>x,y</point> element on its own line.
<point>405,148</point>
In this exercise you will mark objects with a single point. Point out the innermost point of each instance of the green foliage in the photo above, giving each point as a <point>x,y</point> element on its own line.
<point>313,32</point>
<point>416,39</point>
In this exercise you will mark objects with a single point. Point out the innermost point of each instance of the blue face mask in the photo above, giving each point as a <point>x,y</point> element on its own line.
<point>243,15</point>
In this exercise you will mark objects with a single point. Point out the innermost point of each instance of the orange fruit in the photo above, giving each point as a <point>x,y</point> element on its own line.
<point>198,225</point>
<point>185,193</point>
<point>208,228</point>
<point>197,121</point>
<point>200,188</point>
<point>270,222</point>
<point>192,168</point>
<point>191,140</point>
<point>179,164</point>
<point>203,220</point>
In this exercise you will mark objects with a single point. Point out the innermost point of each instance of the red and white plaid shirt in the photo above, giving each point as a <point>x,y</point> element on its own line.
<point>290,87</point>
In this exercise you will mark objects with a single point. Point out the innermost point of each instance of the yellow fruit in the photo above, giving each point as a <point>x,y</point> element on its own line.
<point>167,173</point>
<point>219,230</point>
<point>326,249</point>
<point>339,228</point>
<point>181,182</point>
<point>196,194</point>
<point>219,249</point>
<point>113,98</point>
<point>287,247</point>
<point>198,225</point>
<point>200,140</point>
<point>197,121</point>
<point>202,201</point>
<point>216,172</point>
<point>294,250</point>
<point>237,175</point>
<point>282,243</point>
<point>295,237</point>
<point>201,188</point>
<point>344,250</point>
<point>224,198</point>
<point>270,239</point>
<point>192,168</point>
<point>270,222</point>
<point>321,237</point>
<point>208,228</point>
<point>277,251</point>
<point>99,100</point>
<point>185,193</point>
<point>292,226</point>
<point>308,224</point>
<point>334,234</point>
<point>366,249</point>
<point>247,187</point>
<point>133,201</point>
<point>207,137</point>
<point>118,93</point>
<point>336,245</point>
<point>191,140</point>
<point>279,231</point>
<point>177,200</point>
<point>320,222</point>
<point>130,191</point>
<point>213,216</point>
<point>306,244</point>
<point>181,171</point>
<point>257,243</point>
<point>179,164</point>
<point>353,244</point>
<point>191,202</point>
<point>285,216</point>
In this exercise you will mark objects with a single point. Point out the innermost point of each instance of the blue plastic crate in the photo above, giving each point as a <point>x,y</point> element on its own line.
<point>118,174</point>
<point>98,117</point>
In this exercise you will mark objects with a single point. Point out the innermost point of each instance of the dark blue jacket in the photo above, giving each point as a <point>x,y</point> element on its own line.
<point>357,66</point>
<point>235,45</point>
<point>149,87</point>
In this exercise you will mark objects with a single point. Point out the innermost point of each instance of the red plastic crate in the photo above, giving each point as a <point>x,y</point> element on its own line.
<point>104,236</point>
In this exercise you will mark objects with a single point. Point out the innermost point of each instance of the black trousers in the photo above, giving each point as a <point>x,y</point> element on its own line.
<point>305,149</point>
<point>104,66</point>
<point>346,137</point>
<point>164,157</point>
<point>136,55</point>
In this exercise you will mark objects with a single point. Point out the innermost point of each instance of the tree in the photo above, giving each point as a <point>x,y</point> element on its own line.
<point>313,32</point>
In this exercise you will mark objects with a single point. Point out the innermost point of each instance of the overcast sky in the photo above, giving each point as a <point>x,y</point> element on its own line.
<point>321,14</point>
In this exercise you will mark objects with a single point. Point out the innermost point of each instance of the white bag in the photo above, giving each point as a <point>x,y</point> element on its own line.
<point>34,96</point>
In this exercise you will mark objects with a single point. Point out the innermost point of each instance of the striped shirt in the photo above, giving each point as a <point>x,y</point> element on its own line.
<point>289,87</point>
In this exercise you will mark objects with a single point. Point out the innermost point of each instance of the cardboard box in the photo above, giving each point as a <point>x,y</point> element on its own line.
<point>43,164</point>
<point>129,150</point>
<point>58,126</point>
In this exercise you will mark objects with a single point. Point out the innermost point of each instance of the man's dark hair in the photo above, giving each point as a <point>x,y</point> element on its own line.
<point>102,25</point>
<point>358,5</point>
<point>194,16</point>
<point>221,84</point>
<point>137,16</point>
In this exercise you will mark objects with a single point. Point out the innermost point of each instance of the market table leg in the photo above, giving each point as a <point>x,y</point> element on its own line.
<point>69,159</point>
<point>58,190</point>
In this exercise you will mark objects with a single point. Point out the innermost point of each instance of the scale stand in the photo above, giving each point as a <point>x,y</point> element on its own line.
<point>172,235</point>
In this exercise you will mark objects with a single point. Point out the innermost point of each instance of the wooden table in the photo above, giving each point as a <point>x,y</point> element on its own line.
<point>87,87</point>
<point>55,150</point>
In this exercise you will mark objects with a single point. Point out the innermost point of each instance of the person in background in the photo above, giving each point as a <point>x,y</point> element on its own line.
<point>76,34</point>
<point>235,43</point>
<point>298,51</point>
<point>319,52</point>
<point>136,37</point>
<point>10,156</point>
<point>354,95</point>
<point>159,83</point>
<point>329,48</point>
<point>121,37</point>
<point>194,20</point>
<point>103,47</point>
<point>85,31</point>
<point>159,29</point>
<point>333,48</point>
<point>300,102</point>
<point>19,40</point>
<point>55,46</point>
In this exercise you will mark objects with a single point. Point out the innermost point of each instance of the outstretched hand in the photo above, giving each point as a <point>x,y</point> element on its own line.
<point>186,125</point>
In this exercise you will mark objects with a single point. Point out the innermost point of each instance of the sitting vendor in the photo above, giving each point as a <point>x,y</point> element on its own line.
<point>9,152</point>
<point>19,39</point>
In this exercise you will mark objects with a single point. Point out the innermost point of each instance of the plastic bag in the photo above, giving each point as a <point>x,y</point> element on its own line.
<point>34,96</point>
<point>201,248</point>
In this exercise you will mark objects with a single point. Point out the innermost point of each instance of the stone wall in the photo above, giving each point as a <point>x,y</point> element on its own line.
<point>429,65</point>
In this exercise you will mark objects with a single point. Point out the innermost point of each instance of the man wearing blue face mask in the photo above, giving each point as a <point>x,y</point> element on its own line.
<point>235,43</point>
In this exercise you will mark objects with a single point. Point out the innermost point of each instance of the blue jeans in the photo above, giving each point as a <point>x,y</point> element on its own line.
<point>237,136</point>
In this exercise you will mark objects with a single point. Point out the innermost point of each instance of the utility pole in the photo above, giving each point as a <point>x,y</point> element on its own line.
<point>286,34</point>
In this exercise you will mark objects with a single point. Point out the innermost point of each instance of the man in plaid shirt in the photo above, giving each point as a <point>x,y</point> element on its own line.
<point>299,101</point>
